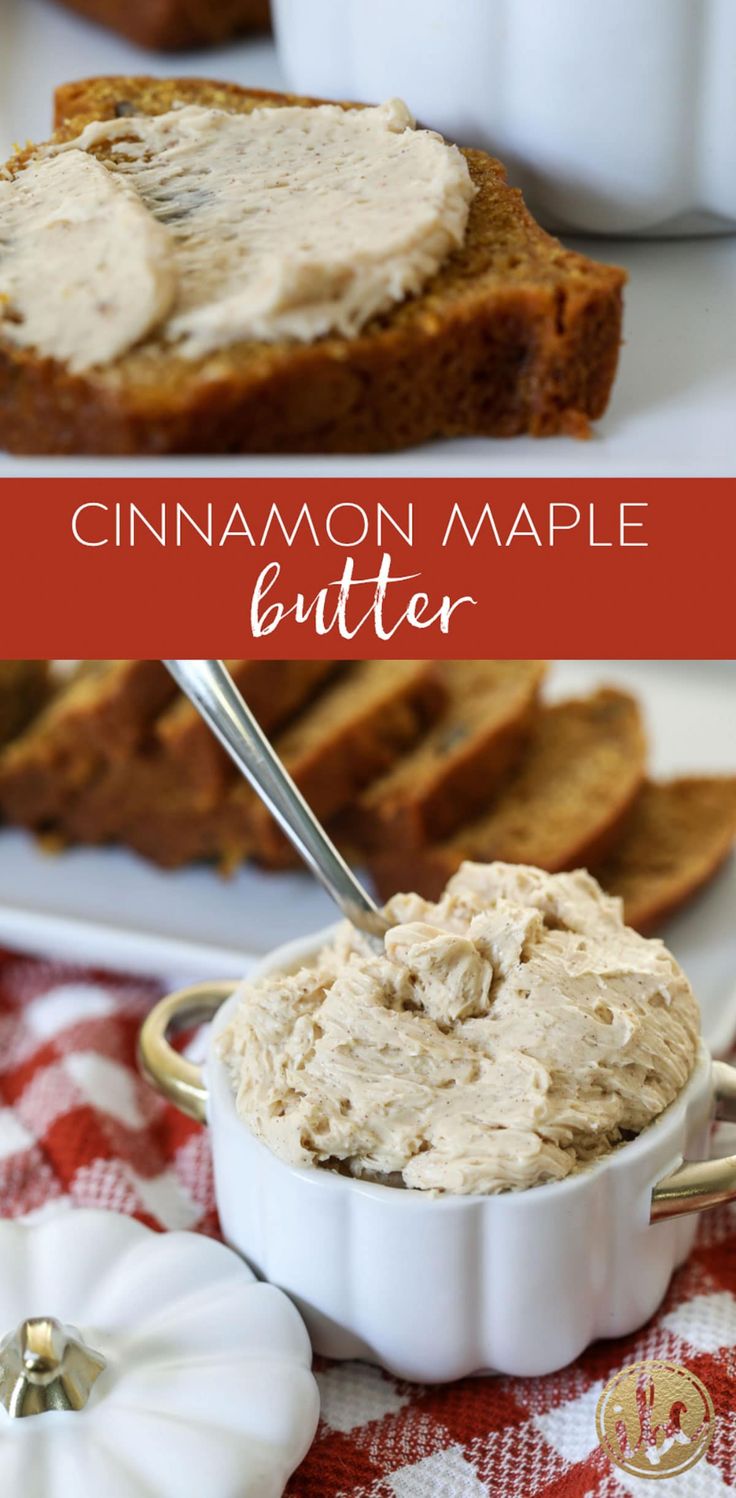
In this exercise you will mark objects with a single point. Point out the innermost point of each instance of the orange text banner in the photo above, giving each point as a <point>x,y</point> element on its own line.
<point>368,568</point>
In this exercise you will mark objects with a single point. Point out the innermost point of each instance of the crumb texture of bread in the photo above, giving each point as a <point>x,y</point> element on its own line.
<point>561,806</point>
<point>452,772</point>
<point>104,709</point>
<point>173,25</point>
<point>676,838</point>
<point>514,334</point>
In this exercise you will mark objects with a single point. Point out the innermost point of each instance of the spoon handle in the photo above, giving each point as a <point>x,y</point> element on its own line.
<point>209,685</point>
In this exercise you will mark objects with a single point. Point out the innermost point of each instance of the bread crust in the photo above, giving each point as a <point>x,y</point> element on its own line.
<point>514,334</point>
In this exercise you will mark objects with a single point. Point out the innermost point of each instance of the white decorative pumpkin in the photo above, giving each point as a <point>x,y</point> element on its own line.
<point>206,1387</point>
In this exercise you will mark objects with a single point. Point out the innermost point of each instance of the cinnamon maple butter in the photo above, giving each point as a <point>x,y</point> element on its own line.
<point>202,228</point>
<point>510,1034</point>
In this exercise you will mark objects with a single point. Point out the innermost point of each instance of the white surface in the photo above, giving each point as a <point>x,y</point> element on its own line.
<point>42,45</point>
<point>109,907</point>
<point>518,1283</point>
<point>672,412</point>
<point>192,1344</point>
<point>621,123</point>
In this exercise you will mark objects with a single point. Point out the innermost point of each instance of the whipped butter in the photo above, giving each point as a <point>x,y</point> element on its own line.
<point>204,228</point>
<point>511,1033</point>
<point>84,268</point>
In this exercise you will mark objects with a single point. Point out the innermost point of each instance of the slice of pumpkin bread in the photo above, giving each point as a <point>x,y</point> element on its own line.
<point>166,799</point>
<point>354,732</point>
<point>453,770</point>
<point>561,807</point>
<point>677,836</point>
<point>275,692</point>
<point>513,334</point>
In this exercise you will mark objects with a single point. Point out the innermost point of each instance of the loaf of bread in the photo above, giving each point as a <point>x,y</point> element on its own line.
<point>425,764</point>
<point>675,839</point>
<point>561,807</point>
<point>344,735</point>
<point>454,769</point>
<point>514,334</point>
<point>171,25</point>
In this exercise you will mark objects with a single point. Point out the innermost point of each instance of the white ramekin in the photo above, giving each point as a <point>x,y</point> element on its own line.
<point>435,1288</point>
<point>615,118</point>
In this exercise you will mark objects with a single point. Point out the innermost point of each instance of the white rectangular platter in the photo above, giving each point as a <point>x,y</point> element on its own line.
<point>672,412</point>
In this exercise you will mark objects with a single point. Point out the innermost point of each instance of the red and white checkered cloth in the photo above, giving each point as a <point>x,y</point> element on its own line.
<point>79,1128</point>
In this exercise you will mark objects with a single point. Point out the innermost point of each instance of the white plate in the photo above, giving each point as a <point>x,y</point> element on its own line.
<point>673,405</point>
<point>107,906</point>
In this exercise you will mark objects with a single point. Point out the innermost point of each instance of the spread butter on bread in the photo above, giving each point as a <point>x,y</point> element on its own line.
<point>502,333</point>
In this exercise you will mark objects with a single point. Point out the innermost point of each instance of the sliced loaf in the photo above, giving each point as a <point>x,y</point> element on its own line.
<point>453,770</point>
<point>675,839</point>
<point>351,731</point>
<point>274,691</point>
<point>166,799</point>
<point>354,732</point>
<point>562,806</point>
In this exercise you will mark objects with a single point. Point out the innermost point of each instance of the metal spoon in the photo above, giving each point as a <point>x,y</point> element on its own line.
<point>210,687</point>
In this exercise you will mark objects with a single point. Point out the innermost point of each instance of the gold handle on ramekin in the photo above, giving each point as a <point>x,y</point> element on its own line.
<point>170,1073</point>
<point>701,1184</point>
